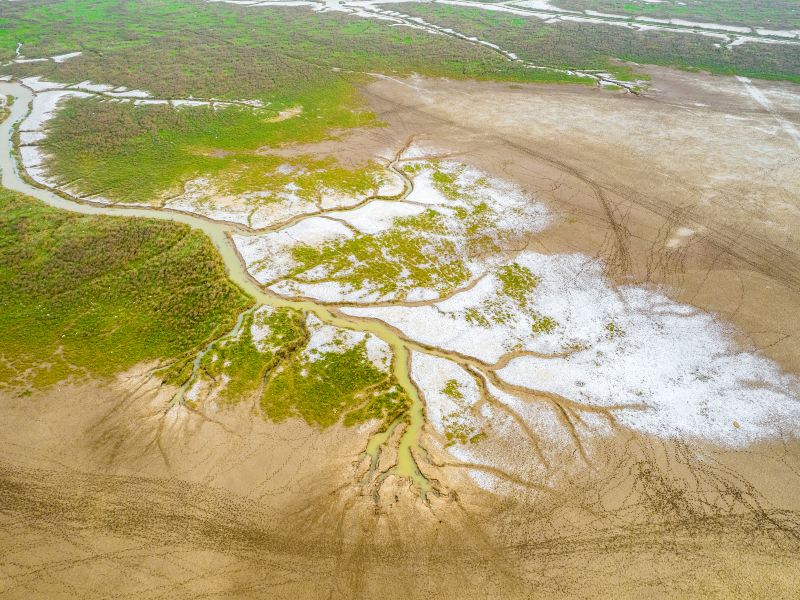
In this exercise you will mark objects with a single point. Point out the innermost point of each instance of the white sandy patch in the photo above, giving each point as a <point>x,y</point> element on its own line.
<point>286,206</point>
<point>327,338</point>
<point>500,210</point>
<point>196,199</point>
<point>37,85</point>
<point>88,86</point>
<point>60,58</point>
<point>179,102</point>
<point>30,137</point>
<point>757,95</point>
<point>684,371</point>
<point>129,94</point>
<point>432,374</point>
<point>378,215</point>
<point>268,256</point>
<point>787,33</point>
<point>682,234</point>
<point>30,156</point>
<point>502,444</point>
<point>445,324</point>
<point>39,175</point>
<point>678,369</point>
<point>44,107</point>
<point>257,209</point>
<point>541,5</point>
<point>150,102</point>
<point>705,25</point>
<point>390,185</point>
<point>259,329</point>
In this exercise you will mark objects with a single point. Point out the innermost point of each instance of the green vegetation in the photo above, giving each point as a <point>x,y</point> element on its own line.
<point>416,252</point>
<point>135,153</point>
<point>614,330</point>
<point>458,428</point>
<point>332,385</point>
<point>188,47</point>
<point>431,250</point>
<point>595,46</point>
<point>5,106</point>
<point>242,363</point>
<point>291,59</point>
<point>517,283</point>
<point>775,14</point>
<point>266,361</point>
<point>86,295</point>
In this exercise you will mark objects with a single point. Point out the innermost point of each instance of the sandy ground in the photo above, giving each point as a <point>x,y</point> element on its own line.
<point>692,187</point>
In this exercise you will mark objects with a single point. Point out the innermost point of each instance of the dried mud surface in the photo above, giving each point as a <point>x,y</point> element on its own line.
<point>692,186</point>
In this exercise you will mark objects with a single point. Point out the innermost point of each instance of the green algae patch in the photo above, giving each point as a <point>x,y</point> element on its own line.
<point>84,295</point>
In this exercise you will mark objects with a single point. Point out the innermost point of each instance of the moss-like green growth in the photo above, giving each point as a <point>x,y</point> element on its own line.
<point>331,386</point>
<point>265,360</point>
<point>517,282</point>
<point>142,153</point>
<point>459,426</point>
<point>614,330</point>
<point>83,295</point>
<point>415,252</point>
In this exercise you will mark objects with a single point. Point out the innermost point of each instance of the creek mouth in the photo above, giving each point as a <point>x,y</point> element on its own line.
<point>220,233</point>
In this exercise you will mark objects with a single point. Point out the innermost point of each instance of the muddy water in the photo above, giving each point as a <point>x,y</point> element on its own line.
<point>219,233</point>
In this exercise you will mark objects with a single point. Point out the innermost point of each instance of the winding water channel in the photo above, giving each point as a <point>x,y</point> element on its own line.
<point>220,233</point>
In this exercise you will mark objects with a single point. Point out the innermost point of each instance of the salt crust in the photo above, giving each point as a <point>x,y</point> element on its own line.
<point>512,211</point>
<point>268,256</point>
<point>677,366</point>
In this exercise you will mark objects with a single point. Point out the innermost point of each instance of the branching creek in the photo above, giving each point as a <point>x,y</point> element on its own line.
<point>407,430</point>
<point>406,465</point>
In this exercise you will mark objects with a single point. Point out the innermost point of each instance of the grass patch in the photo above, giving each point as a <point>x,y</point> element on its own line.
<point>594,46</point>
<point>416,252</point>
<point>84,295</point>
<point>512,302</point>
<point>776,14</point>
<point>322,387</point>
<point>135,153</point>
<point>189,47</point>
<point>341,384</point>
<point>459,425</point>
<point>285,57</point>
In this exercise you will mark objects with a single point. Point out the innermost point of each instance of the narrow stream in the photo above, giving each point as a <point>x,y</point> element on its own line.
<point>220,235</point>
